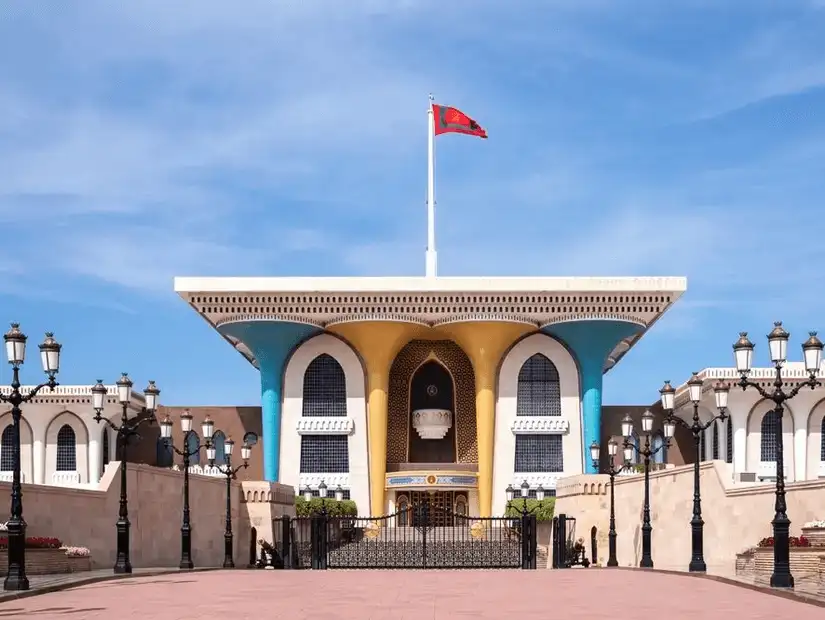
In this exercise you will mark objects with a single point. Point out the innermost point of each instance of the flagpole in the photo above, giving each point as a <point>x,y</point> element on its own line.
<point>431,257</point>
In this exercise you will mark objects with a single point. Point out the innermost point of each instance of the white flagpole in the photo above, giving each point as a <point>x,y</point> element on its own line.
<point>431,257</point>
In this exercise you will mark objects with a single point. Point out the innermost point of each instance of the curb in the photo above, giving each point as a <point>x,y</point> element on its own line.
<point>791,595</point>
<point>59,587</point>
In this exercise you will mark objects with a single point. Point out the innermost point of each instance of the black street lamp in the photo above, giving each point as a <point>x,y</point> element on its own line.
<point>612,450</point>
<point>50,358</point>
<point>668,394</point>
<point>230,474</point>
<point>647,452</point>
<point>812,355</point>
<point>207,427</point>
<point>127,428</point>
<point>524,493</point>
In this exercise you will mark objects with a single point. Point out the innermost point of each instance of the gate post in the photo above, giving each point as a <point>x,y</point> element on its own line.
<point>286,542</point>
<point>594,558</point>
<point>317,546</point>
<point>563,541</point>
<point>528,542</point>
<point>554,543</point>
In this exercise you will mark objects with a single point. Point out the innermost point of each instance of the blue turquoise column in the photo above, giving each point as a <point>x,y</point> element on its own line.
<point>590,343</point>
<point>271,343</point>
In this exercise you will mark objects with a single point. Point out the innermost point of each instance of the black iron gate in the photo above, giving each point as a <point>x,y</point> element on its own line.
<point>421,536</point>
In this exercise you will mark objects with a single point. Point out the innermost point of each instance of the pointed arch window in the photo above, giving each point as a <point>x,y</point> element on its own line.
<point>193,443</point>
<point>659,442</point>
<point>66,449</point>
<point>822,441</point>
<point>767,443</point>
<point>219,443</point>
<point>715,441</point>
<point>163,452</point>
<point>703,454</point>
<point>7,449</point>
<point>539,391</point>
<point>325,388</point>
<point>729,439</point>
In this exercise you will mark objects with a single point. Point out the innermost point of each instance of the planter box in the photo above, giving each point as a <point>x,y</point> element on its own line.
<point>815,534</point>
<point>805,561</point>
<point>39,562</point>
<point>745,563</point>
<point>79,565</point>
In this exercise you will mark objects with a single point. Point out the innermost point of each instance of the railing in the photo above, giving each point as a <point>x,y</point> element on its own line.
<point>6,476</point>
<point>205,470</point>
<point>767,470</point>
<point>65,478</point>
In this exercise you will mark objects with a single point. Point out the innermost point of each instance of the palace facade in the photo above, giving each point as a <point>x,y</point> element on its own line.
<point>457,387</point>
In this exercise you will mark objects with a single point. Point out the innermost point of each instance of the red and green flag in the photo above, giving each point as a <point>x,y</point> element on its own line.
<point>453,120</point>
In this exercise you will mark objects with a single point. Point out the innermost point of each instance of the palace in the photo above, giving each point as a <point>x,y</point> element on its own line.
<point>459,387</point>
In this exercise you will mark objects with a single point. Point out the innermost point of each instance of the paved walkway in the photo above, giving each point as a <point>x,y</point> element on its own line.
<point>399,595</point>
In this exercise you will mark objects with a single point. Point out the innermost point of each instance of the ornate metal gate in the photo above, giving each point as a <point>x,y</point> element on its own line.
<point>325,541</point>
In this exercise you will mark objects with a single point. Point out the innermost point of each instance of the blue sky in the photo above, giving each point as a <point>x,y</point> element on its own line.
<point>144,140</point>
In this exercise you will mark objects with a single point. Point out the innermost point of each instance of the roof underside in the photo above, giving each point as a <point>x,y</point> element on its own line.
<point>430,302</point>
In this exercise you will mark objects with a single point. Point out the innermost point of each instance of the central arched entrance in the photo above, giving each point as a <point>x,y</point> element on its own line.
<point>431,389</point>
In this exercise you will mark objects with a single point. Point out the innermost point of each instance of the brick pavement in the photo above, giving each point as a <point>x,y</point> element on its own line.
<point>437,595</point>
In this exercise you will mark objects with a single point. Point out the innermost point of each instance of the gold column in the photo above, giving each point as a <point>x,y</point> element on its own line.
<point>485,343</point>
<point>377,343</point>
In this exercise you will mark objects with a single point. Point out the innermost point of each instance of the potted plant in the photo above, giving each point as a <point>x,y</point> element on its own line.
<point>80,559</point>
<point>815,532</point>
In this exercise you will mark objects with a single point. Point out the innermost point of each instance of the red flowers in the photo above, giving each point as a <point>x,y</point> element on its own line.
<point>34,542</point>
<point>795,541</point>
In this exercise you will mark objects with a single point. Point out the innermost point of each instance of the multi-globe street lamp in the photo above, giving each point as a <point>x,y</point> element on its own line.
<point>612,471</point>
<point>127,429</point>
<point>15,340</point>
<point>646,452</point>
<point>207,428</point>
<point>696,427</point>
<point>812,356</point>
<point>230,473</point>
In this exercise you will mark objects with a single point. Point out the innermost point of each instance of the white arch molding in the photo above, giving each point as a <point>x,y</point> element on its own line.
<point>290,459</point>
<point>26,442</point>
<point>505,441</point>
<point>815,466</point>
<point>754,440</point>
<point>81,445</point>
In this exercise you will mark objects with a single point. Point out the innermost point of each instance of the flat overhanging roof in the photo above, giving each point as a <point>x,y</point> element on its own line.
<point>432,301</point>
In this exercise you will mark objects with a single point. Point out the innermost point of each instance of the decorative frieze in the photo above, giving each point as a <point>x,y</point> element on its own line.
<point>536,480</point>
<point>331,480</point>
<point>539,425</point>
<point>332,425</point>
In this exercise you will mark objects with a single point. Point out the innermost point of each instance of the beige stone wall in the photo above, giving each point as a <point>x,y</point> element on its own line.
<point>86,518</point>
<point>736,516</point>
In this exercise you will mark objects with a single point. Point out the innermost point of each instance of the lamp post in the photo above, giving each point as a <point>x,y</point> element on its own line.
<point>812,356</point>
<point>647,452</point>
<point>207,427</point>
<point>230,474</point>
<point>612,450</point>
<point>127,428</point>
<point>524,493</point>
<point>696,427</point>
<point>15,340</point>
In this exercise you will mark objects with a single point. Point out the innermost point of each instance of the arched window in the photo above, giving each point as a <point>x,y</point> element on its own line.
<point>104,446</point>
<point>7,449</point>
<point>325,388</point>
<point>634,440</point>
<point>659,442</point>
<point>66,449</point>
<point>193,442</point>
<point>164,454</point>
<point>822,442</point>
<point>703,454</point>
<point>768,441</point>
<point>729,438</point>
<point>715,441</point>
<point>219,443</point>
<point>539,392</point>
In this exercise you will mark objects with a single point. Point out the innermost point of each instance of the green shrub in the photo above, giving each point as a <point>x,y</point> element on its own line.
<point>344,508</point>
<point>542,509</point>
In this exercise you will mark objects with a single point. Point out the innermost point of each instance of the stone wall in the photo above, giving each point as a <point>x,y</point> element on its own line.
<point>737,516</point>
<point>86,518</point>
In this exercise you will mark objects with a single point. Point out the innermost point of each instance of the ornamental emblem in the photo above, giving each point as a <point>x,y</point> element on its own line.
<point>431,479</point>
<point>432,390</point>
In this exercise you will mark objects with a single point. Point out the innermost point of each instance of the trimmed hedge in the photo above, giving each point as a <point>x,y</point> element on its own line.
<point>542,509</point>
<point>344,508</point>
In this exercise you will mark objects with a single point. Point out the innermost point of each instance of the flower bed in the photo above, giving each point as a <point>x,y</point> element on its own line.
<point>33,542</point>
<point>80,559</point>
<point>795,541</point>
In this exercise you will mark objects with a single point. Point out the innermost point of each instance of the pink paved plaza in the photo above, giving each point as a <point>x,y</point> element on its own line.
<point>378,595</point>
